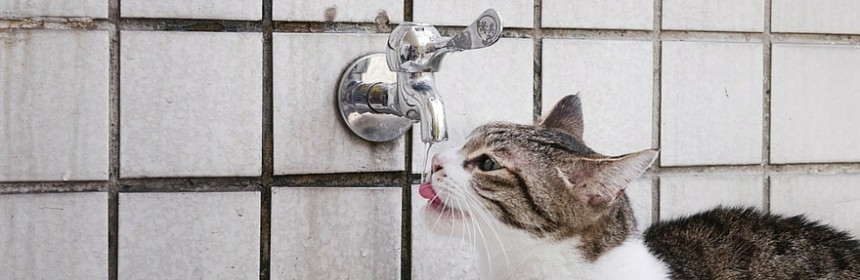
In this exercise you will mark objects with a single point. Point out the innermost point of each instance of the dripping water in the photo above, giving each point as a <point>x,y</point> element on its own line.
<point>424,172</point>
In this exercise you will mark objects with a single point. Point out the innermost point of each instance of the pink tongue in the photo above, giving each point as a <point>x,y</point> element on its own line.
<point>426,191</point>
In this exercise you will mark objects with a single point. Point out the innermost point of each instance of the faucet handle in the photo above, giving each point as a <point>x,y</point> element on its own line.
<point>483,32</point>
<point>417,47</point>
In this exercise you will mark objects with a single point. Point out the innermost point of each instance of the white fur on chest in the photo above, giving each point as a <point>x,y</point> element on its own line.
<point>529,258</point>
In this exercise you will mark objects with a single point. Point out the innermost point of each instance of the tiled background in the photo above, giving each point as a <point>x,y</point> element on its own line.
<point>199,140</point>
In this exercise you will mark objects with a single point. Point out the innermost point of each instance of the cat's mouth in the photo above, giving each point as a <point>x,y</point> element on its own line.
<point>426,191</point>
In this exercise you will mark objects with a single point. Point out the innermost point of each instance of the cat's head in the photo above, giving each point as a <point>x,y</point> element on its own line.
<point>541,179</point>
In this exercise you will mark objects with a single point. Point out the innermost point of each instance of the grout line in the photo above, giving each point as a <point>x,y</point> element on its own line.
<point>537,83</point>
<point>656,102</point>
<point>114,156</point>
<point>214,25</point>
<point>172,24</point>
<point>267,145</point>
<point>55,187</point>
<point>406,212</point>
<point>373,179</point>
<point>767,52</point>
<point>406,203</point>
<point>655,199</point>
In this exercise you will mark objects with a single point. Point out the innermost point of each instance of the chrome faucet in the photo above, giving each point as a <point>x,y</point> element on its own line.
<point>380,104</point>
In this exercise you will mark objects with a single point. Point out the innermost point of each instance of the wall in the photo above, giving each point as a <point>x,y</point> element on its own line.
<point>198,140</point>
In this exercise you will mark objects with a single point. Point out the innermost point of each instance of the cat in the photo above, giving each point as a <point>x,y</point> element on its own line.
<point>537,203</point>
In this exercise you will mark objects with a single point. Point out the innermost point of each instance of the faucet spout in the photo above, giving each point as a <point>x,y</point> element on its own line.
<point>424,104</point>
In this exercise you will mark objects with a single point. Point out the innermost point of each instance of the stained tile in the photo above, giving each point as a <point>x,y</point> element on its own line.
<point>309,134</point>
<point>832,16</point>
<point>725,15</point>
<point>599,14</point>
<point>54,236</point>
<point>338,10</point>
<point>336,233</point>
<point>814,103</point>
<point>54,105</point>
<point>205,235</point>
<point>221,9</point>
<point>42,8</point>
<point>711,103</point>
<point>190,104</point>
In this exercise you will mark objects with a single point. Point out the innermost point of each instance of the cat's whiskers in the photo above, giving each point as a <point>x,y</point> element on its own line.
<point>490,225</point>
<point>465,232</point>
<point>460,190</point>
<point>475,222</point>
<point>438,217</point>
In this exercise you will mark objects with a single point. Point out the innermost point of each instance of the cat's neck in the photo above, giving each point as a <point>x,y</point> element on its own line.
<point>516,254</point>
<point>610,231</point>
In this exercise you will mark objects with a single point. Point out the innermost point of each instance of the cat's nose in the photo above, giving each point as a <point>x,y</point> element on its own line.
<point>436,164</point>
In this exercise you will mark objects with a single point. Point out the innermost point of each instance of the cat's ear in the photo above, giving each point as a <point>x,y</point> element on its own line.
<point>566,116</point>
<point>612,175</point>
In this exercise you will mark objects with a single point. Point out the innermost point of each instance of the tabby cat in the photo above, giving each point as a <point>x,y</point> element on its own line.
<point>539,204</point>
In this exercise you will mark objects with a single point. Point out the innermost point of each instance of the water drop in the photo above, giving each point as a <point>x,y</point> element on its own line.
<point>424,172</point>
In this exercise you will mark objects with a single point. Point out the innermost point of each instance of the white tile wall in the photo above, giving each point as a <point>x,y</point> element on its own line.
<point>830,16</point>
<point>191,104</point>
<point>600,14</point>
<point>724,15</point>
<point>831,199</point>
<point>514,13</point>
<point>54,236</point>
<point>814,103</point>
<point>309,134</point>
<point>189,235</point>
<point>68,8</point>
<point>711,103</point>
<point>614,80</point>
<point>221,9</point>
<point>336,233</point>
<point>639,192</point>
<point>438,257</point>
<point>491,84</point>
<point>342,10</point>
<point>54,105</point>
<point>682,195</point>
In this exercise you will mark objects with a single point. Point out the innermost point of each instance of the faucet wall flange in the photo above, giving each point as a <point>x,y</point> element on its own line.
<point>366,96</point>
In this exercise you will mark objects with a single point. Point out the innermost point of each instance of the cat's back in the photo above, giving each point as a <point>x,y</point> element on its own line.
<point>744,243</point>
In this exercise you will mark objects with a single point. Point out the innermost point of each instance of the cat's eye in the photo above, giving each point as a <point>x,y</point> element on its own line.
<point>488,164</point>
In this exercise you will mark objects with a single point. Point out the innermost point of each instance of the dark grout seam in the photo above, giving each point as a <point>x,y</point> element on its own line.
<point>166,24</point>
<point>267,145</point>
<point>656,102</point>
<point>406,198</point>
<point>767,53</point>
<point>114,156</point>
<point>537,83</point>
